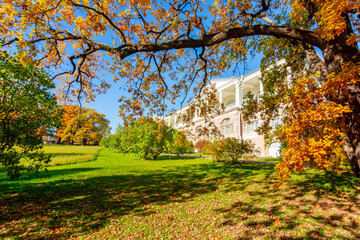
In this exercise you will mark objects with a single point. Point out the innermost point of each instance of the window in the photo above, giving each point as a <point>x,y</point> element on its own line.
<point>229,129</point>
<point>226,127</point>
<point>252,126</point>
<point>230,102</point>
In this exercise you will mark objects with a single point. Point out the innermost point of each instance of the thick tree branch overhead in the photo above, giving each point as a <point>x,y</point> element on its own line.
<point>219,37</point>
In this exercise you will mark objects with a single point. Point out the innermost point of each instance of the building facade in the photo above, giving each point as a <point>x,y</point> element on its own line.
<point>231,93</point>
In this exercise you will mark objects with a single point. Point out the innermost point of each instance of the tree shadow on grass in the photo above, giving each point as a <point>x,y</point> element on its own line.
<point>64,208</point>
<point>7,185</point>
<point>325,201</point>
<point>173,157</point>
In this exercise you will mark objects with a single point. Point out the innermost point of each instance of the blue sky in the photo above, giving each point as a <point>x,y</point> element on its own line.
<point>108,103</point>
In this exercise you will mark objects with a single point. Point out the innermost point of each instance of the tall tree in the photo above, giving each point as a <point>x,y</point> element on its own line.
<point>200,40</point>
<point>27,109</point>
<point>82,125</point>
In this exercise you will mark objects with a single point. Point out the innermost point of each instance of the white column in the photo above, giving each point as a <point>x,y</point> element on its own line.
<point>238,94</point>
<point>169,121</point>
<point>220,97</point>
<point>261,87</point>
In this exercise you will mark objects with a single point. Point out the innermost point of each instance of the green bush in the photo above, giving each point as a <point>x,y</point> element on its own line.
<point>147,139</point>
<point>230,148</point>
<point>105,141</point>
<point>215,149</point>
<point>235,149</point>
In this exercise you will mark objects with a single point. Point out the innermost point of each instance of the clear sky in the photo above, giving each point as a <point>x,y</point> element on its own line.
<point>108,103</point>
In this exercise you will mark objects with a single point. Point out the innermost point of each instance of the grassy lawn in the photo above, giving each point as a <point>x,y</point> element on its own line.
<point>268,159</point>
<point>69,154</point>
<point>118,197</point>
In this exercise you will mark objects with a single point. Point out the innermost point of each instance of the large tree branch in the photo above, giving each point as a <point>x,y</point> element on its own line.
<point>219,37</point>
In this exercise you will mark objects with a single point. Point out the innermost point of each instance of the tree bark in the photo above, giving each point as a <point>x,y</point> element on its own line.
<point>335,55</point>
<point>353,132</point>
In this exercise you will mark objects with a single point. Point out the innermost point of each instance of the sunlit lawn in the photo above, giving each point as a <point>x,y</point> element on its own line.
<point>268,159</point>
<point>118,197</point>
<point>69,154</point>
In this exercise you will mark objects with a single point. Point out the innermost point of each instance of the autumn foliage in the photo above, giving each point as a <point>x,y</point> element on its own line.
<point>165,49</point>
<point>313,128</point>
<point>82,125</point>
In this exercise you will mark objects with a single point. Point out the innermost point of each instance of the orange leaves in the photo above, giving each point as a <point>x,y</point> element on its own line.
<point>330,16</point>
<point>315,126</point>
<point>82,125</point>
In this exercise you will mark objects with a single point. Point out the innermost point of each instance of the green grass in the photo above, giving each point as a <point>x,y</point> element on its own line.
<point>119,197</point>
<point>70,154</point>
<point>267,159</point>
<point>196,154</point>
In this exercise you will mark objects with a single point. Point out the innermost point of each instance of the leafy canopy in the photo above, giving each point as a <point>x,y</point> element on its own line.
<point>82,125</point>
<point>147,139</point>
<point>27,109</point>
<point>149,42</point>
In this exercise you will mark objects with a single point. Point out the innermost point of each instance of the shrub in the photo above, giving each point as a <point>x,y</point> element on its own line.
<point>147,139</point>
<point>105,141</point>
<point>215,149</point>
<point>230,148</point>
<point>235,149</point>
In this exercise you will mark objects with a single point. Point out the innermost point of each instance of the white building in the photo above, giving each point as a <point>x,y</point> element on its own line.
<point>231,93</point>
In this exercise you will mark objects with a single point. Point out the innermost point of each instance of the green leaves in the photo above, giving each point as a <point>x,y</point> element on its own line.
<point>27,111</point>
<point>147,139</point>
<point>230,148</point>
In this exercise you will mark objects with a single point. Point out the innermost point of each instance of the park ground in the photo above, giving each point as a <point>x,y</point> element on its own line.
<point>93,193</point>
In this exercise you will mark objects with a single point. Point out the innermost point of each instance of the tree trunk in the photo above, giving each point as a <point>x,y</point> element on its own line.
<point>353,133</point>
<point>335,55</point>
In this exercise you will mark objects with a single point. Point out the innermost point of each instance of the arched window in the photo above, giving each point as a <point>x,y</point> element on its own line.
<point>226,127</point>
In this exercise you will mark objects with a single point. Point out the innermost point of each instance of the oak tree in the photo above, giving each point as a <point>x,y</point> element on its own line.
<point>82,125</point>
<point>149,42</point>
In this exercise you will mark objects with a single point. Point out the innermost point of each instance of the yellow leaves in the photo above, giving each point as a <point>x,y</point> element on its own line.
<point>314,129</point>
<point>329,16</point>
<point>82,123</point>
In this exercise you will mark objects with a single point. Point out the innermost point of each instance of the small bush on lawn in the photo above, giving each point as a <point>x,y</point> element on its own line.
<point>230,148</point>
<point>215,149</point>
